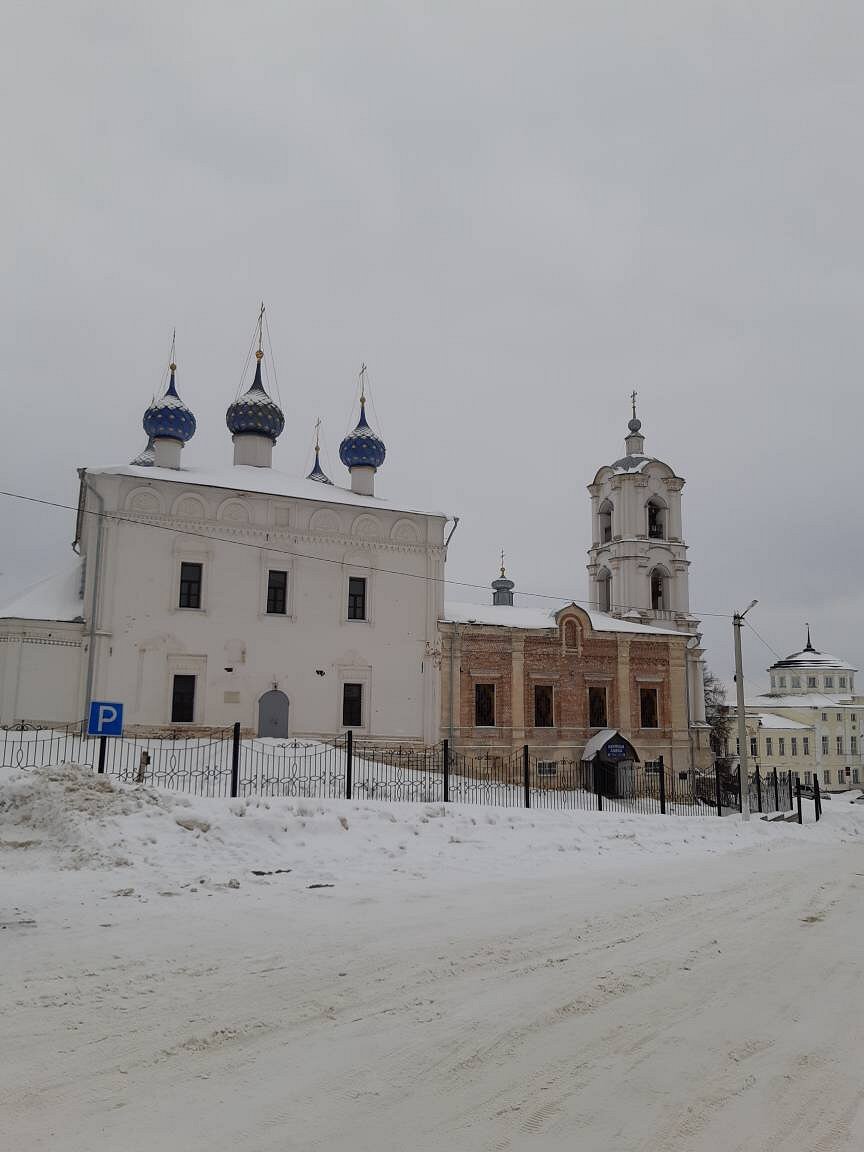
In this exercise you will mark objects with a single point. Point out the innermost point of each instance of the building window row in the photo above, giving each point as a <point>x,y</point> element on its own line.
<point>183,692</point>
<point>544,707</point>
<point>843,682</point>
<point>192,579</point>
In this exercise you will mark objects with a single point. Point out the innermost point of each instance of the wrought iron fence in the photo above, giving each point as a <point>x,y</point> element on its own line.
<point>222,764</point>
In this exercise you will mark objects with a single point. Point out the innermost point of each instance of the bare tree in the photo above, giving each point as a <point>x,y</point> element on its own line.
<point>718,717</point>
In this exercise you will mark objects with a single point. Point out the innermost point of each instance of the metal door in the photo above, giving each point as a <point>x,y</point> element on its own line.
<point>273,715</point>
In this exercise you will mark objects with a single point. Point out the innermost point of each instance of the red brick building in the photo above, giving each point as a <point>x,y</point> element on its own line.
<point>511,676</point>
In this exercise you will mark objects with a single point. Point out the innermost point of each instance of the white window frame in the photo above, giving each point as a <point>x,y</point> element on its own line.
<point>179,557</point>
<point>276,562</point>
<point>183,665</point>
<point>355,675</point>
<point>366,574</point>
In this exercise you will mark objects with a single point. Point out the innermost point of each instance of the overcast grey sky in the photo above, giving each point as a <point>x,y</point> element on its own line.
<point>514,213</point>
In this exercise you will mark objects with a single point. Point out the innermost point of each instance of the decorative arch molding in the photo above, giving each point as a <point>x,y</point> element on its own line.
<point>367,527</point>
<point>145,500</point>
<point>325,520</point>
<point>234,511</point>
<point>573,625</point>
<point>405,532</point>
<point>188,506</point>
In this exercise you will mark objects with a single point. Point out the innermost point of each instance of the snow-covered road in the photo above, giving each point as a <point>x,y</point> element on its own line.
<point>470,981</point>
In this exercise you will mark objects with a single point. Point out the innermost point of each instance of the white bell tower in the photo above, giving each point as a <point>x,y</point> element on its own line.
<point>637,563</point>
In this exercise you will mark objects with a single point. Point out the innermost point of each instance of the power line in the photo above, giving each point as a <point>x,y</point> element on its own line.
<point>120,519</point>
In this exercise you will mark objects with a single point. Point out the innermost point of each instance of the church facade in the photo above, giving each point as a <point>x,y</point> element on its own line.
<point>203,598</point>
<point>630,660</point>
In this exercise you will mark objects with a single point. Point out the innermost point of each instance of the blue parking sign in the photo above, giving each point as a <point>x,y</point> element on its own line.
<point>106,718</point>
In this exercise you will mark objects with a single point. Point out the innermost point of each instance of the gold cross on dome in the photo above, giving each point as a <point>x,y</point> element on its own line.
<point>317,430</point>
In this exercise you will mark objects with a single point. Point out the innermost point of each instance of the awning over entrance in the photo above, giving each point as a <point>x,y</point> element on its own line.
<point>609,746</point>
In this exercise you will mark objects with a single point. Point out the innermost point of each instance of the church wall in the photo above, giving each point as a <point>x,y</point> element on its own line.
<point>235,649</point>
<point>620,663</point>
<point>40,668</point>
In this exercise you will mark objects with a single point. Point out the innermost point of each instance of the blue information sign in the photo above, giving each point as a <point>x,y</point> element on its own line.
<point>616,751</point>
<point>106,718</point>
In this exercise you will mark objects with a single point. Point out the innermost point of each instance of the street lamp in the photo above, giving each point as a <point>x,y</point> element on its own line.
<point>743,774</point>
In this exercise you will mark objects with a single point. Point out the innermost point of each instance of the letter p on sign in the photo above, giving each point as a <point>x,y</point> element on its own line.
<point>106,718</point>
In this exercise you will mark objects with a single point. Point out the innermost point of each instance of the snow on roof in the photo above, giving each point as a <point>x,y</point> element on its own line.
<point>810,658</point>
<point>602,737</point>
<point>769,720</point>
<point>505,616</point>
<point>800,700</point>
<point>57,598</point>
<point>267,481</point>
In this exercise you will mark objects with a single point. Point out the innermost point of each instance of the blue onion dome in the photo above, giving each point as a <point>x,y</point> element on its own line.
<point>145,458</point>
<point>168,418</point>
<point>362,448</point>
<point>254,413</point>
<point>318,472</point>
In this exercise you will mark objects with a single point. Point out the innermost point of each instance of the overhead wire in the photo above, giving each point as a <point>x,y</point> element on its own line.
<point>274,548</point>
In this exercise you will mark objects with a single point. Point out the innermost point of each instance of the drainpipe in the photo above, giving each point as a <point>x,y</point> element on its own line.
<point>91,655</point>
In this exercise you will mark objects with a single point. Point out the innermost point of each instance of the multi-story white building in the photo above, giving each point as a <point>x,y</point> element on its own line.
<point>810,721</point>
<point>207,597</point>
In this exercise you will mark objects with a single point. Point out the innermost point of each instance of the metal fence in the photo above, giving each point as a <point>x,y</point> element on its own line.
<point>223,764</point>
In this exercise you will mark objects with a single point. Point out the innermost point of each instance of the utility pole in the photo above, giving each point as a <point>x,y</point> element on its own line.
<point>743,773</point>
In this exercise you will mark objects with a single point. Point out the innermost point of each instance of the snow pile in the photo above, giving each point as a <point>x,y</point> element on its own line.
<point>68,816</point>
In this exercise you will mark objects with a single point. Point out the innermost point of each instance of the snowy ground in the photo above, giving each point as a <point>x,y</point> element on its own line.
<point>422,978</point>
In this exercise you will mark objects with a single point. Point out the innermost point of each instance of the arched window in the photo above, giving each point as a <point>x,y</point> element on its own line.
<point>604,590</point>
<point>659,589</point>
<point>656,511</point>
<point>605,521</point>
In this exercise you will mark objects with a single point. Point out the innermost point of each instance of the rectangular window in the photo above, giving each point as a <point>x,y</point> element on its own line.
<point>352,705</point>
<point>484,705</point>
<point>796,681</point>
<point>781,745</point>
<point>754,747</point>
<point>190,585</point>
<point>648,708</point>
<point>183,699</point>
<point>842,681</point>
<point>839,745</point>
<point>597,707</point>
<point>824,745</point>
<point>824,717</point>
<point>826,776</point>
<point>856,776</point>
<point>781,680</point>
<point>829,681</point>
<point>794,745</point>
<point>839,715</point>
<point>808,778</point>
<point>543,706</point>
<point>769,746</point>
<point>853,745</point>
<point>356,597</point>
<point>277,593</point>
<point>805,740</point>
<point>811,681</point>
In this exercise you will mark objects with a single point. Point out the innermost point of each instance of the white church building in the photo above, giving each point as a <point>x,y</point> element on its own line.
<point>207,597</point>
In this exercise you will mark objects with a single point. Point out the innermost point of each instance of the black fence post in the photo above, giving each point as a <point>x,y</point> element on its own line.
<point>235,761</point>
<point>526,773</point>
<point>662,770</point>
<point>789,774</point>
<point>103,748</point>
<point>717,788</point>
<point>817,795</point>
<point>349,763</point>
<point>758,789</point>
<point>598,787</point>
<point>776,793</point>
<point>446,771</point>
<point>798,795</point>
